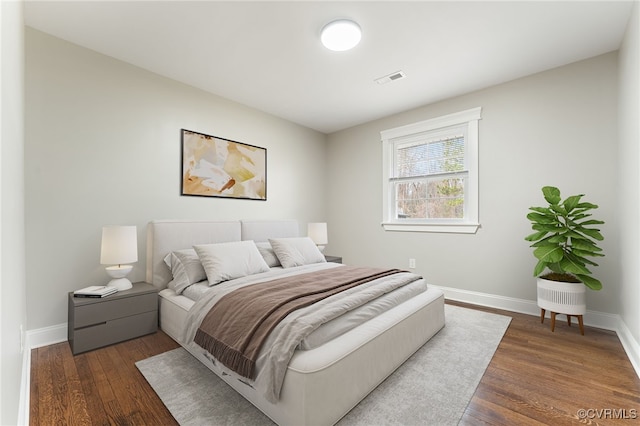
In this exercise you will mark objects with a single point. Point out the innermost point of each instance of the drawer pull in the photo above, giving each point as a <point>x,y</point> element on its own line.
<point>91,325</point>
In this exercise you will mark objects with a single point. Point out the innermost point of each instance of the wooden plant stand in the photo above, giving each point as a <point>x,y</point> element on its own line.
<point>553,320</point>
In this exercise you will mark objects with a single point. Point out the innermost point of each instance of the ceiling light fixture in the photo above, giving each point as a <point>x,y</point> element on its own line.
<point>341,35</point>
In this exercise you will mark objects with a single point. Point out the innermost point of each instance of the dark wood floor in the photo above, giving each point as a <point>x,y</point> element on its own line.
<point>536,377</point>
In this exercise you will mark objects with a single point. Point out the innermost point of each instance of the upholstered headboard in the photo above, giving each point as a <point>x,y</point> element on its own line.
<point>165,236</point>
<point>262,230</point>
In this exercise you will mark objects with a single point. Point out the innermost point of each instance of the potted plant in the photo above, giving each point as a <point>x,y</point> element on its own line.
<point>564,241</point>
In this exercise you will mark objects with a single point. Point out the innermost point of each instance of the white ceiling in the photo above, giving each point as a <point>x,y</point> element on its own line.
<point>267,55</point>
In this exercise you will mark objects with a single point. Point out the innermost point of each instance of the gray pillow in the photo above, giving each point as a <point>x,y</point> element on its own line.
<point>268,254</point>
<point>186,269</point>
<point>227,261</point>
<point>296,251</point>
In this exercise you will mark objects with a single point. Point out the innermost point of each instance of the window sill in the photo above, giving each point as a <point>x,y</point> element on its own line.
<point>454,228</point>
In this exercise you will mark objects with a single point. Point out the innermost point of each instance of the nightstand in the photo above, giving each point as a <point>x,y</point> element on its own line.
<point>334,259</point>
<point>97,322</point>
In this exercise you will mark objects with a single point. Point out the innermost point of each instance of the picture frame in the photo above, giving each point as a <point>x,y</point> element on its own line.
<point>218,167</point>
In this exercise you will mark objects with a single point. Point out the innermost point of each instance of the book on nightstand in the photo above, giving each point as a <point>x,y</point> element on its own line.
<point>95,291</point>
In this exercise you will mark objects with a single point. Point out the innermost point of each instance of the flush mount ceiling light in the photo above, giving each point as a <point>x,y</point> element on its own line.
<point>341,35</point>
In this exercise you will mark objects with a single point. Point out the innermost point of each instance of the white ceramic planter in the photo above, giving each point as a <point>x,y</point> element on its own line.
<point>562,297</point>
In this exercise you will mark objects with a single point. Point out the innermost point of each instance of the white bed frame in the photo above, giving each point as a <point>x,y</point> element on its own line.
<point>323,384</point>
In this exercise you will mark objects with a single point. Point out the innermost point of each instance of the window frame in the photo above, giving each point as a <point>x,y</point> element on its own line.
<point>428,129</point>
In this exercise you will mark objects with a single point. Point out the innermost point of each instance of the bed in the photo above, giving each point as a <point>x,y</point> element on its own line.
<point>320,384</point>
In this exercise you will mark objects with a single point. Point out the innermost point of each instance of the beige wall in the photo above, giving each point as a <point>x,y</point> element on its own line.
<point>103,147</point>
<point>629,177</point>
<point>12,258</point>
<point>554,128</point>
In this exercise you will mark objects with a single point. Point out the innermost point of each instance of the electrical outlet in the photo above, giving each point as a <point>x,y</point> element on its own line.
<point>412,263</point>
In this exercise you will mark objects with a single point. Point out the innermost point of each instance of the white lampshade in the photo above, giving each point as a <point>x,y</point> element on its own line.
<point>341,35</point>
<point>318,233</point>
<point>119,246</point>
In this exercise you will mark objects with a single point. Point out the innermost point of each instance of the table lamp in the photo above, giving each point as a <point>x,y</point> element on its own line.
<point>318,233</point>
<point>119,246</point>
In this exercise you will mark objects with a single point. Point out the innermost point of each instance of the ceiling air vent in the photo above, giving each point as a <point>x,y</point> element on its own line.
<point>391,77</point>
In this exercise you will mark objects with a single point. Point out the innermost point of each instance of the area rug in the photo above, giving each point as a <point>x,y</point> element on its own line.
<point>433,387</point>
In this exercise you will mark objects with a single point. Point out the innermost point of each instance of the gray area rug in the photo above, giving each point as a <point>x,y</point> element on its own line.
<point>433,387</point>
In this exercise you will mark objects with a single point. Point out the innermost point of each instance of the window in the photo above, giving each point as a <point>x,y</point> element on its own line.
<point>430,173</point>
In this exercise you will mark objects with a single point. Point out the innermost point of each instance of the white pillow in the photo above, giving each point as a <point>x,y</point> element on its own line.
<point>186,269</point>
<point>268,254</point>
<point>296,251</point>
<point>226,261</point>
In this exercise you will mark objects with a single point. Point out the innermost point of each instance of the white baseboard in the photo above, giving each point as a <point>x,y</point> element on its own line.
<point>35,339</point>
<point>630,345</point>
<point>25,385</point>
<point>597,319</point>
<point>47,336</point>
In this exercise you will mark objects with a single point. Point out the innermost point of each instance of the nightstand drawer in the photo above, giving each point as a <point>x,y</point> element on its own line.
<point>114,331</point>
<point>107,310</point>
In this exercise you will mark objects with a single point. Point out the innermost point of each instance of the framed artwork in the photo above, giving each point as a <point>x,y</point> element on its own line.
<point>218,167</point>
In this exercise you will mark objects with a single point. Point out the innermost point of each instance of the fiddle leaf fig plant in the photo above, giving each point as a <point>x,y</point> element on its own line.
<point>565,238</point>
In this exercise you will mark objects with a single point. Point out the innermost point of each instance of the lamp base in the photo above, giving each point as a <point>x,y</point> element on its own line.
<point>118,273</point>
<point>120,284</point>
